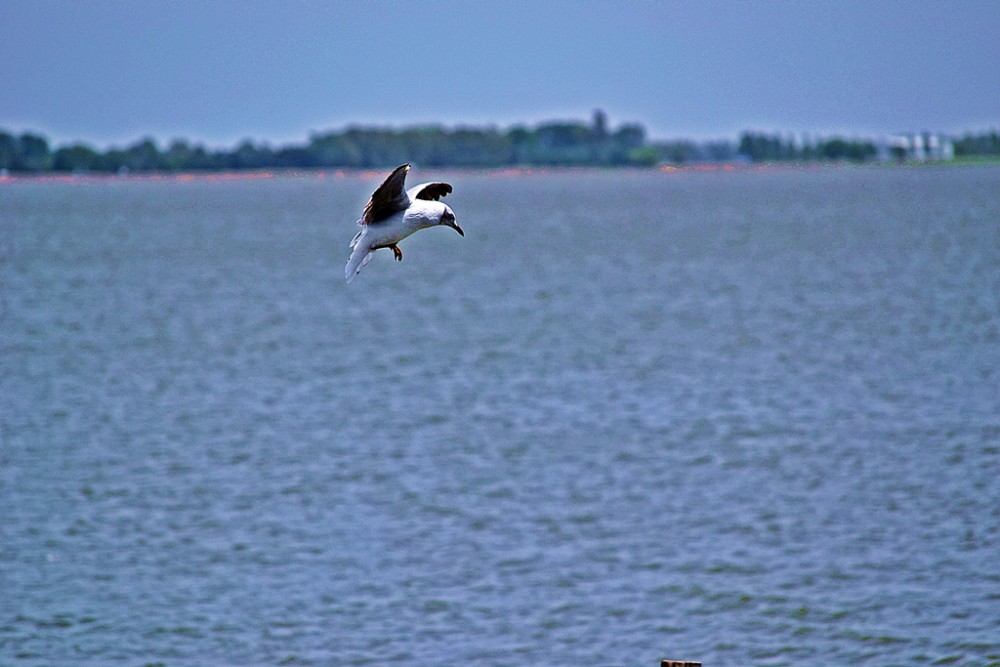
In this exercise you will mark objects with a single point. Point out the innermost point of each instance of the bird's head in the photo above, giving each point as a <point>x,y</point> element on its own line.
<point>448,219</point>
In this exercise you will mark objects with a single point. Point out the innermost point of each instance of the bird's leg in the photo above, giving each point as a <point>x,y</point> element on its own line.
<point>397,252</point>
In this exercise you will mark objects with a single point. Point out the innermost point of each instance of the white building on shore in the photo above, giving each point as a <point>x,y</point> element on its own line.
<point>916,146</point>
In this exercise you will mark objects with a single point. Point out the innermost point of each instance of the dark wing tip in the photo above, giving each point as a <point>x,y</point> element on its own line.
<point>434,191</point>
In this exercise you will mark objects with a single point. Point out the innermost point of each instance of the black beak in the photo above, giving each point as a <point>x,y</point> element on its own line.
<point>454,225</point>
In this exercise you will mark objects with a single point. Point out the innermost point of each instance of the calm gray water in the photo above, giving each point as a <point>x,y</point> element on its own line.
<point>749,418</point>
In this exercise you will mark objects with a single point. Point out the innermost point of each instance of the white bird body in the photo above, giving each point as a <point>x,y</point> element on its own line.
<point>391,215</point>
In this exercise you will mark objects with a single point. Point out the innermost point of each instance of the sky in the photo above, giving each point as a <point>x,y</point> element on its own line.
<point>108,72</point>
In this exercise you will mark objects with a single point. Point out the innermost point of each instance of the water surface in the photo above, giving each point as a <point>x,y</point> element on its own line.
<point>748,418</point>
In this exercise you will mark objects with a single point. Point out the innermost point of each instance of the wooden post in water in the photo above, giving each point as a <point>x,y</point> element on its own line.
<point>679,663</point>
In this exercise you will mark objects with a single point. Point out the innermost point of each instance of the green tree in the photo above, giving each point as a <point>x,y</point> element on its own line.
<point>34,153</point>
<point>249,156</point>
<point>143,156</point>
<point>10,152</point>
<point>841,149</point>
<point>78,157</point>
<point>985,143</point>
<point>644,156</point>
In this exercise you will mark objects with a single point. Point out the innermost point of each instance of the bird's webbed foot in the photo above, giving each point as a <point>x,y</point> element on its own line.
<point>397,253</point>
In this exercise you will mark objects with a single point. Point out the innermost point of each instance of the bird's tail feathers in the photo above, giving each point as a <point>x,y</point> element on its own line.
<point>359,260</point>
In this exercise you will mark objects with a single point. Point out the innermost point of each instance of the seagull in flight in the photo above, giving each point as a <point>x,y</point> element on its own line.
<point>392,214</point>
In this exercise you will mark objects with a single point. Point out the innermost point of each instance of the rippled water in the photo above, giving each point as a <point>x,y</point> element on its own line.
<point>748,418</point>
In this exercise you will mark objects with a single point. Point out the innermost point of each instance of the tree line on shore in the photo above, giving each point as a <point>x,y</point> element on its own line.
<point>547,144</point>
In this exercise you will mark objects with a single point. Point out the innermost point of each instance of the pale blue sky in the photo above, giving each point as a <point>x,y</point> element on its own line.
<point>218,71</point>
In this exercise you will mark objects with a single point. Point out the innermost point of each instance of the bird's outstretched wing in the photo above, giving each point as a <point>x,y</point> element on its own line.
<point>429,191</point>
<point>388,199</point>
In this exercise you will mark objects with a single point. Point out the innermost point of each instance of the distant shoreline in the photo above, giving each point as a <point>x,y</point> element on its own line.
<point>548,145</point>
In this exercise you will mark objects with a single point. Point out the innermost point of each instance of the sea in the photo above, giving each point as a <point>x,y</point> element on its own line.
<point>742,416</point>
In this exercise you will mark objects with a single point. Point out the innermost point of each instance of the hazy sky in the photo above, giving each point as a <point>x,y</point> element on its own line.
<point>218,71</point>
